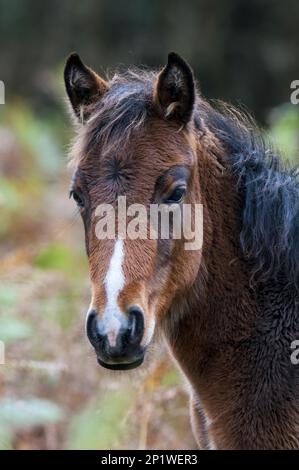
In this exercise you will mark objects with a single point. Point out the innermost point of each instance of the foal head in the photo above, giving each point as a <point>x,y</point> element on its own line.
<point>135,138</point>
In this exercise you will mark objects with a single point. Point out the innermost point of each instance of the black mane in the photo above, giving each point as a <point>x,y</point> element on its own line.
<point>270,190</point>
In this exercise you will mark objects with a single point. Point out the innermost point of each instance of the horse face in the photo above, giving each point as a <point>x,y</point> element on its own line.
<point>135,159</point>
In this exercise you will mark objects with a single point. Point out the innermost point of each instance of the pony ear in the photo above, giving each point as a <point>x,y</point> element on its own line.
<point>175,90</point>
<point>83,86</point>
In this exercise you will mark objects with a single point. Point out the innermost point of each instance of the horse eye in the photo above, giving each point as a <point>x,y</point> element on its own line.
<point>77,198</point>
<point>177,195</point>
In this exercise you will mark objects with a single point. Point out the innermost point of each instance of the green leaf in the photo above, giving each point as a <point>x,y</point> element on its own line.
<point>12,329</point>
<point>6,436</point>
<point>8,296</point>
<point>57,257</point>
<point>16,414</point>
<point>171,378</point>
<point>101,424</point>
<point>284,131</point>
<point>10,198</point>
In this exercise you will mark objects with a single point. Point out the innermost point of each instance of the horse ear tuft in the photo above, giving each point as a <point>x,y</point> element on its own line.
<point>175,90</point>
<point>83,86</point>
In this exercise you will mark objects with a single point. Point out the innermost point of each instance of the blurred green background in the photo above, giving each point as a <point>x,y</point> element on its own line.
<point>52,394</point>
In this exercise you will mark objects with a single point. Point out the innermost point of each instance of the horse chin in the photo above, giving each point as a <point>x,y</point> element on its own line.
<point>121,366</point>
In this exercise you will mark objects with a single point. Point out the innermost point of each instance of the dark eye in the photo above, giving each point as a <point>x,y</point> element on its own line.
<point>77,198</point>
<point>177,195</point>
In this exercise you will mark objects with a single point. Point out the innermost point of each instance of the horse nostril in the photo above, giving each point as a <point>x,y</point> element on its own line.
<point>136,319</point>
<point>91,327</point>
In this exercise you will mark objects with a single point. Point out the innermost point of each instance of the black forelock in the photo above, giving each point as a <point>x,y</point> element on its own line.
<point>122,109</point>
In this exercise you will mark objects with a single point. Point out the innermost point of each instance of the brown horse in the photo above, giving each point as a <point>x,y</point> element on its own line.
<point>229,310</point>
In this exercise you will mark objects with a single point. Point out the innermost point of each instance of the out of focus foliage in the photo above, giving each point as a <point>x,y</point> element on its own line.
<point>284,132</point>
<point>52,394</point>
<point>241,50</point>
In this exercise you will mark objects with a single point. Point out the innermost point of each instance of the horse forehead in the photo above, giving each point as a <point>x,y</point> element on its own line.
<point>137,165</point>
<point>154,137</point>
<point>133,167</point>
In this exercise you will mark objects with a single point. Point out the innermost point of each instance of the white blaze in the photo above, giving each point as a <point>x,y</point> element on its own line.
<point>114,282</point>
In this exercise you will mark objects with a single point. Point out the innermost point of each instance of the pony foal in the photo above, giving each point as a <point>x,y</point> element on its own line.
<point>229,310</point>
